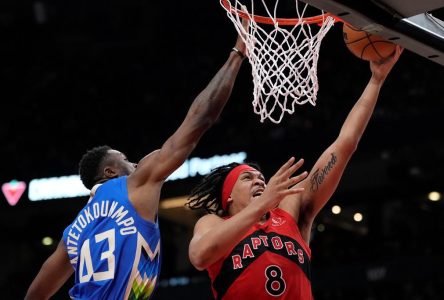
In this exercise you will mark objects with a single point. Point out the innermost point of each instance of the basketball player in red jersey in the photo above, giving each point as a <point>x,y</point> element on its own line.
<point>254,242</point>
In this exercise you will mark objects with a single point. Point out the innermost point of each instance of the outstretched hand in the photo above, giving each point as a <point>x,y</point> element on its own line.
<point>381,69</point>
<point>280,184</point>
<point>240,44</point>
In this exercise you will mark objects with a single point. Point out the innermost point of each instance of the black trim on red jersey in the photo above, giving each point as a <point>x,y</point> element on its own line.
<point>227,275</point>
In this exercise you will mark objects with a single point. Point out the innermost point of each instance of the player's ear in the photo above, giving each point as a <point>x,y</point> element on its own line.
<point>229,201</point>
<point>110,172</point>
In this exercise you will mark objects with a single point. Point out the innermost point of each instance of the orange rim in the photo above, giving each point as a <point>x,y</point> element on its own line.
<point>282,21</point>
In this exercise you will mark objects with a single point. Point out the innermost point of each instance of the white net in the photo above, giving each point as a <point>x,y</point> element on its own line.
<point>283,57</point>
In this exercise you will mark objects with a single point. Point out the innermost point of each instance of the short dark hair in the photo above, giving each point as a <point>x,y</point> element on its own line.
<point>208,193</point>
<point>89,165</point>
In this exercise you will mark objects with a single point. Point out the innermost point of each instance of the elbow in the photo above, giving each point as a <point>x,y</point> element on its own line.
<point>207,113</point>
<point>209,121</point>
<point>349,144</point>
<point>32,294</point>
<point>201,259</point>
<point>351,148</point>
<point>197,261</point>
<point>203,122</point>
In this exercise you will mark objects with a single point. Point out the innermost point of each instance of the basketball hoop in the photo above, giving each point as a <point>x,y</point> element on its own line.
<point>283,60</point>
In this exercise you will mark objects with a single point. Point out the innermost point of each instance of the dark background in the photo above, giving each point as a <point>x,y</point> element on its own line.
<point>123,73</point>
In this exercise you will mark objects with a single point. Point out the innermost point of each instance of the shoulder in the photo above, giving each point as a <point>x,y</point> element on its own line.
<point>207,222</point>
<point>149,156</point>
<point>144,168</point>
<point>209,219</point>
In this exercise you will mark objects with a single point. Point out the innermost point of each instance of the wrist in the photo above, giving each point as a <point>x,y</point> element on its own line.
<point>258,209</point>
<point>238,52</point>
<point>378,80</point>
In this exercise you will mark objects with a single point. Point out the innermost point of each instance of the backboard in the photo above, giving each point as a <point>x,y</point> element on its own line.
<point>415,25</point>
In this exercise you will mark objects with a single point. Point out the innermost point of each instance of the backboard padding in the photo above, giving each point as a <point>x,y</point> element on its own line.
<point>421,33</point>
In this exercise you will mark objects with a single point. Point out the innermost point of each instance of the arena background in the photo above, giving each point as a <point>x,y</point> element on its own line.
<point>76,74</point>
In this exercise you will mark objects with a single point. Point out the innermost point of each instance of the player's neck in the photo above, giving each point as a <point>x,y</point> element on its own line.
<point>264,218</point>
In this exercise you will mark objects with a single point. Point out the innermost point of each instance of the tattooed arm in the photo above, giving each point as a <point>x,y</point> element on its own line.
<point>324,178</point>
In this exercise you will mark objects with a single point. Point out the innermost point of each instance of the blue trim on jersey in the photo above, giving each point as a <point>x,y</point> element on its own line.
<point>115,253</point>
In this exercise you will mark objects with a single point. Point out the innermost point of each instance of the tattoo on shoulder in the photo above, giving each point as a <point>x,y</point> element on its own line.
<point>319,175</point>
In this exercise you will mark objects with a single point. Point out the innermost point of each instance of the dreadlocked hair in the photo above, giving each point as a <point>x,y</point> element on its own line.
<point>89,165</point>
<point>207,194</point>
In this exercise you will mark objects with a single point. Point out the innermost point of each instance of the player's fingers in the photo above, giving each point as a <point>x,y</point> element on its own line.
<point>298,178</point>
<point>294,191</point>
<point>396,54</point>
<point>285,166</point>
<point>245,23</point>
<point>292,181</point>
<point>294,167</point>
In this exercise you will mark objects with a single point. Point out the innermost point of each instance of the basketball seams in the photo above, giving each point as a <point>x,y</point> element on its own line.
<point>376,49</point>
<point>356,41</point>
<point>365,48</point>
<point>365,45</point>
<point>371,43</point>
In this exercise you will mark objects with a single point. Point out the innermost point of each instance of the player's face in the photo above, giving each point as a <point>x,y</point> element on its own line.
<point>121,163</point>
<point>248,187</point>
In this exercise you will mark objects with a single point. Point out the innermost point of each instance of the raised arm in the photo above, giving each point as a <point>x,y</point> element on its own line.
<point>202,114</point>
<point>145,183</point>
<point>324,177</point>
<point>51,277</point>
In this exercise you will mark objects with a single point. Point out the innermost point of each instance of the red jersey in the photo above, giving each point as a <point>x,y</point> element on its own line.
<point>271,262</point>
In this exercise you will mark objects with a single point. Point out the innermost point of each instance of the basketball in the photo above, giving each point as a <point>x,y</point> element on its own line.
<point>367,46</point>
